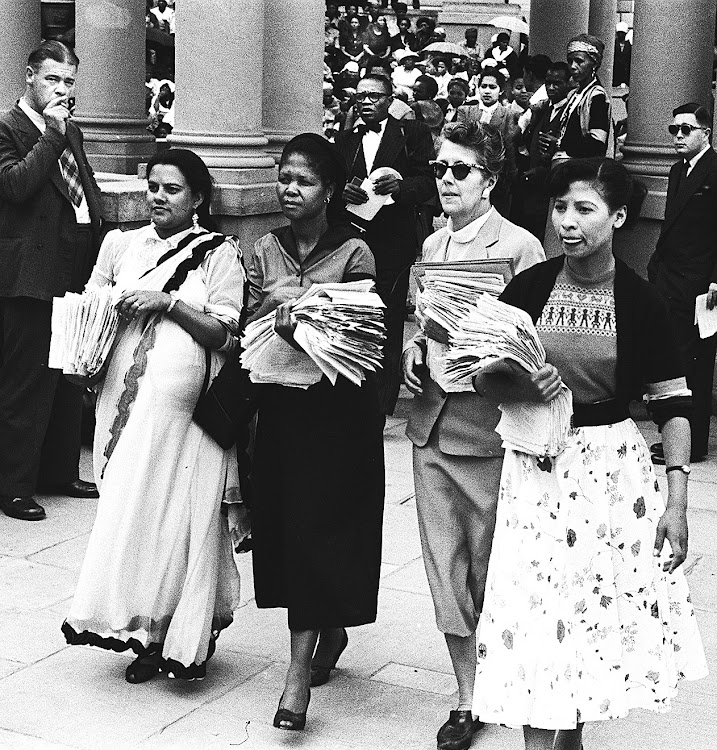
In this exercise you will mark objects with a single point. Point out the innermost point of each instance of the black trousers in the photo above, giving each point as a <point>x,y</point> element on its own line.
<point>699,360</point>
<point>40,411</point>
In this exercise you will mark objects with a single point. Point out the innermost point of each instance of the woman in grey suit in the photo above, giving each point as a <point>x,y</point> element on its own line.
<point>457,454</point>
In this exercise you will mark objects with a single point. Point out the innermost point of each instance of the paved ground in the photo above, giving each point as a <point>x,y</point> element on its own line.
<point>394,687</point>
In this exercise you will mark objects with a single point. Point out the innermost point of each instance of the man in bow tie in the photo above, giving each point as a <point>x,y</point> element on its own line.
<point>379,140</point>
<point>684,264</point>
<point>49,236</point>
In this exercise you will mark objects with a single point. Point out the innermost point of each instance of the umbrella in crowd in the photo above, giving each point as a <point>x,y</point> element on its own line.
<point>446,48</point>
<point>510,23</point>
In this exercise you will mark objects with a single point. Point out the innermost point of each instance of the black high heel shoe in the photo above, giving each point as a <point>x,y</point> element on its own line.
<point>291,719</point>
<point>321,675</point>
<point>144,667</point>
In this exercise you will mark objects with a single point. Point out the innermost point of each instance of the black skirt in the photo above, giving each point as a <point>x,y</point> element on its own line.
<point>318,474</point>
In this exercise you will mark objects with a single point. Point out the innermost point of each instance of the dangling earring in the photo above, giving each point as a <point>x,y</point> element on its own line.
<point>327,199</point>
<point>195,220</point>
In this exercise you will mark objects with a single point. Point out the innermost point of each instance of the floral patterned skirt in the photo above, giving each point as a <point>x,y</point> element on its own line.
<point>580,623</point>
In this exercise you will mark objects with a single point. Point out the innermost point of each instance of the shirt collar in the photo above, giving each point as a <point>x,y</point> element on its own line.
<point>691,163</point>
<point>35,117</point>
<point>470,231</point>
<point>152,238</point>
<point>484,108</point>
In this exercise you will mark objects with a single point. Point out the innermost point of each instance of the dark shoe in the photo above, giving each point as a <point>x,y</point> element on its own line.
<point>24,508</point>
<point>457,733</point>
<point>657,459</point>
<point>321,675</point>
<point>78,488</point>
<point>143,668</point>
<point>657,449</point>
<point>285,719</point>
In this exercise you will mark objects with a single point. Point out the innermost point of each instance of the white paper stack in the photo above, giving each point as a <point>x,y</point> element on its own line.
<point>496,332</point>
<point>339,327</point>
<point>83,330</point>
<point>705,320</point>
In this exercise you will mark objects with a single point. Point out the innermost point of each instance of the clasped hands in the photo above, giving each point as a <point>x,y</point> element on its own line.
<point>132,304</point>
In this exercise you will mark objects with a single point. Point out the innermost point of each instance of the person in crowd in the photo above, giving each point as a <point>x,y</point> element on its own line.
<point>158,576</point>
<point>623,56</point>
<point>378,140</point>
<point>586,616</point>
<point>351,44</point>
<point>519,98</point>
<point>457,95</point>
<point>504,55</point>
<point>165,17</point>
<point>424,89</point>
<point>406,73</point>
<point>405,39</point>
<point>50,217</point>
<point>471,45</point>
<point>530,192</point>
<point>331,34</point>
<point>585,120</point>
<point>491,111</point>
<point>376,39</point>
<point>424,31</point>
<point>457,454</point>
<point>331,122</point>
<point>442,77</point>
<point>351,9</point>
<point>536,68</point>
<point>348,77</point>
<point>318,468</point>
<point>684,264</point>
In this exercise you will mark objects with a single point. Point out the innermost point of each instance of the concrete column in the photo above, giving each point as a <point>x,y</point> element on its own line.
<point>664,75</point>
<point>554,22</point>
<point>110,42</point>
<point>218,72</point>
<point>20,35</point>
<point>601,23</point>
<point>293,70</point>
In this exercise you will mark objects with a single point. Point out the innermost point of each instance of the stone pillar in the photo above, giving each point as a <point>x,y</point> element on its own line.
<point>20,35</point>
<point>554,22</point>
<point>601,23</point>
<point>293,70</point>
<point>664,75</point>
<point>110,42</point>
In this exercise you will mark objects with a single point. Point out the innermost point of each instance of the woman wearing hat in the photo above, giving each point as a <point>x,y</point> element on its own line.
<point>585,120</point>
<point>318,465</point>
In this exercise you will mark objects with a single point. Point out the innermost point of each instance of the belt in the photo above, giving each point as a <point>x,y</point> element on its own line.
<point>603,412</point>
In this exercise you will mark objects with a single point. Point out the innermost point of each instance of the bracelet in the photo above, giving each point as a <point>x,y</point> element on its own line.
<point>171,305</point>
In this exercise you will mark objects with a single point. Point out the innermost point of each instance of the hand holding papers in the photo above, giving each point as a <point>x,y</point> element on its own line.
<point>83,330</point>
<point>339,327</point>
<point>705,319</point>
<point>375,202</point>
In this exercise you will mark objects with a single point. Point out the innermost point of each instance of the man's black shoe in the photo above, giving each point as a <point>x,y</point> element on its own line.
<point>457,733</point>
<point>24,508</point>
<point>78,488</point>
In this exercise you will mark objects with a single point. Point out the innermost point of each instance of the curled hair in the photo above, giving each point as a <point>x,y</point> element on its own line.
<point>493,72</point>
<point>196,174</point>
<point>51,49</point>
<point>461,83</point>
<point>483,139</point>
<point>607,177</point>
<point>328,164</point>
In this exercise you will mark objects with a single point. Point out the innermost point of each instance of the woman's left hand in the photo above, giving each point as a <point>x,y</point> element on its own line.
<point>132,304</point>
<point>673,527</point>
<point>284,325</point>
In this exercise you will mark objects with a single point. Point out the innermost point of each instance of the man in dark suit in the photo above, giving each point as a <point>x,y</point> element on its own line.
<point>684,264</point>
<point>378,140</point>
<point>49,235</point>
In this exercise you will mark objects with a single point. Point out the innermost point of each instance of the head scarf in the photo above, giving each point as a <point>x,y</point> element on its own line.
<point>590,45</point>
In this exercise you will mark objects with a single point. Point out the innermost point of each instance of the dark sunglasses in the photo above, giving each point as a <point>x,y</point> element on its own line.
<point>459,169</point>
<point>684,129</point>
<point>373,96</point>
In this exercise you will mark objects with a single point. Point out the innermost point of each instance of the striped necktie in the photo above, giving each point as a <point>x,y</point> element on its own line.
<point>71,175</point>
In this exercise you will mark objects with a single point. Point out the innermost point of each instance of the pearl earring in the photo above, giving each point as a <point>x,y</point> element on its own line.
<point>195,220</point>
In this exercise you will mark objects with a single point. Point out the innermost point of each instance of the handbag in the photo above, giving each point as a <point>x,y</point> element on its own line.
<point>225,408</point>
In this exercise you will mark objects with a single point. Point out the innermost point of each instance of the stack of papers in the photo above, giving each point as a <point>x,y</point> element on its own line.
<point>495,332</point>
<point>83,330</point>
<point>339,327</point>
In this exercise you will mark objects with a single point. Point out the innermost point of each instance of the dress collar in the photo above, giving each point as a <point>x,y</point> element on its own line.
<point>470,231</point>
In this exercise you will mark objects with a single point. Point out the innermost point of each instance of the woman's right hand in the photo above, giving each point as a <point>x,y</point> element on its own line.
<point>542,386</point>
<point>414,367</point>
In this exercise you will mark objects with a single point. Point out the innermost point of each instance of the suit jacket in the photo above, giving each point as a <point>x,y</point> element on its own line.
<point>406,146</point>
<point>397,42</point>
<point>540,123</point>
<point>37,218</point>
<point>465,421</point>
<point>685,259</point>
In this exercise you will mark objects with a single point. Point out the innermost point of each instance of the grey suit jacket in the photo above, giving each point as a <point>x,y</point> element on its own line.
<point>465,423</point>
<point>37,218</point>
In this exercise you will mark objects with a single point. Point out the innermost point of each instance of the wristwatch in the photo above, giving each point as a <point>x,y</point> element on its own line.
<point>683,468</point>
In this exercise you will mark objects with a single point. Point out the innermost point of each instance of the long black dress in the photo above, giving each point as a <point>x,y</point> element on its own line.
<point>318,466</point>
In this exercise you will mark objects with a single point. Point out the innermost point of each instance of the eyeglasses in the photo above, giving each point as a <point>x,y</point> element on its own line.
<point>459,169</point>
<point>373,96</point>
<point>683,128</point>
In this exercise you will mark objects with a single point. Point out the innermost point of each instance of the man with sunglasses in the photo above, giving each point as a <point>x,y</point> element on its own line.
<point>684,264</point>
<point>379,140</point>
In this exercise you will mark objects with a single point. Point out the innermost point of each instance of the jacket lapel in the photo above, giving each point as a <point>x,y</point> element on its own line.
<point>687,188</point>
<point>392,142</point>
<point>490,231</point>
<point>356,163</point>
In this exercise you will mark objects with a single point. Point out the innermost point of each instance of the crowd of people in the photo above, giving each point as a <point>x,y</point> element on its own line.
<point>550,581</point>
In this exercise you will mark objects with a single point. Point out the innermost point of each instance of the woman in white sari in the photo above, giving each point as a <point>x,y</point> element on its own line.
<point>158,576</point>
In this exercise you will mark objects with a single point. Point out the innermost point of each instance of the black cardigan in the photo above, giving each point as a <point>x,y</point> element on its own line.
<point>647,351</point>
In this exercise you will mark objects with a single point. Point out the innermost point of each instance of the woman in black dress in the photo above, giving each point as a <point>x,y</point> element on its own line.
<point>318,466</point>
